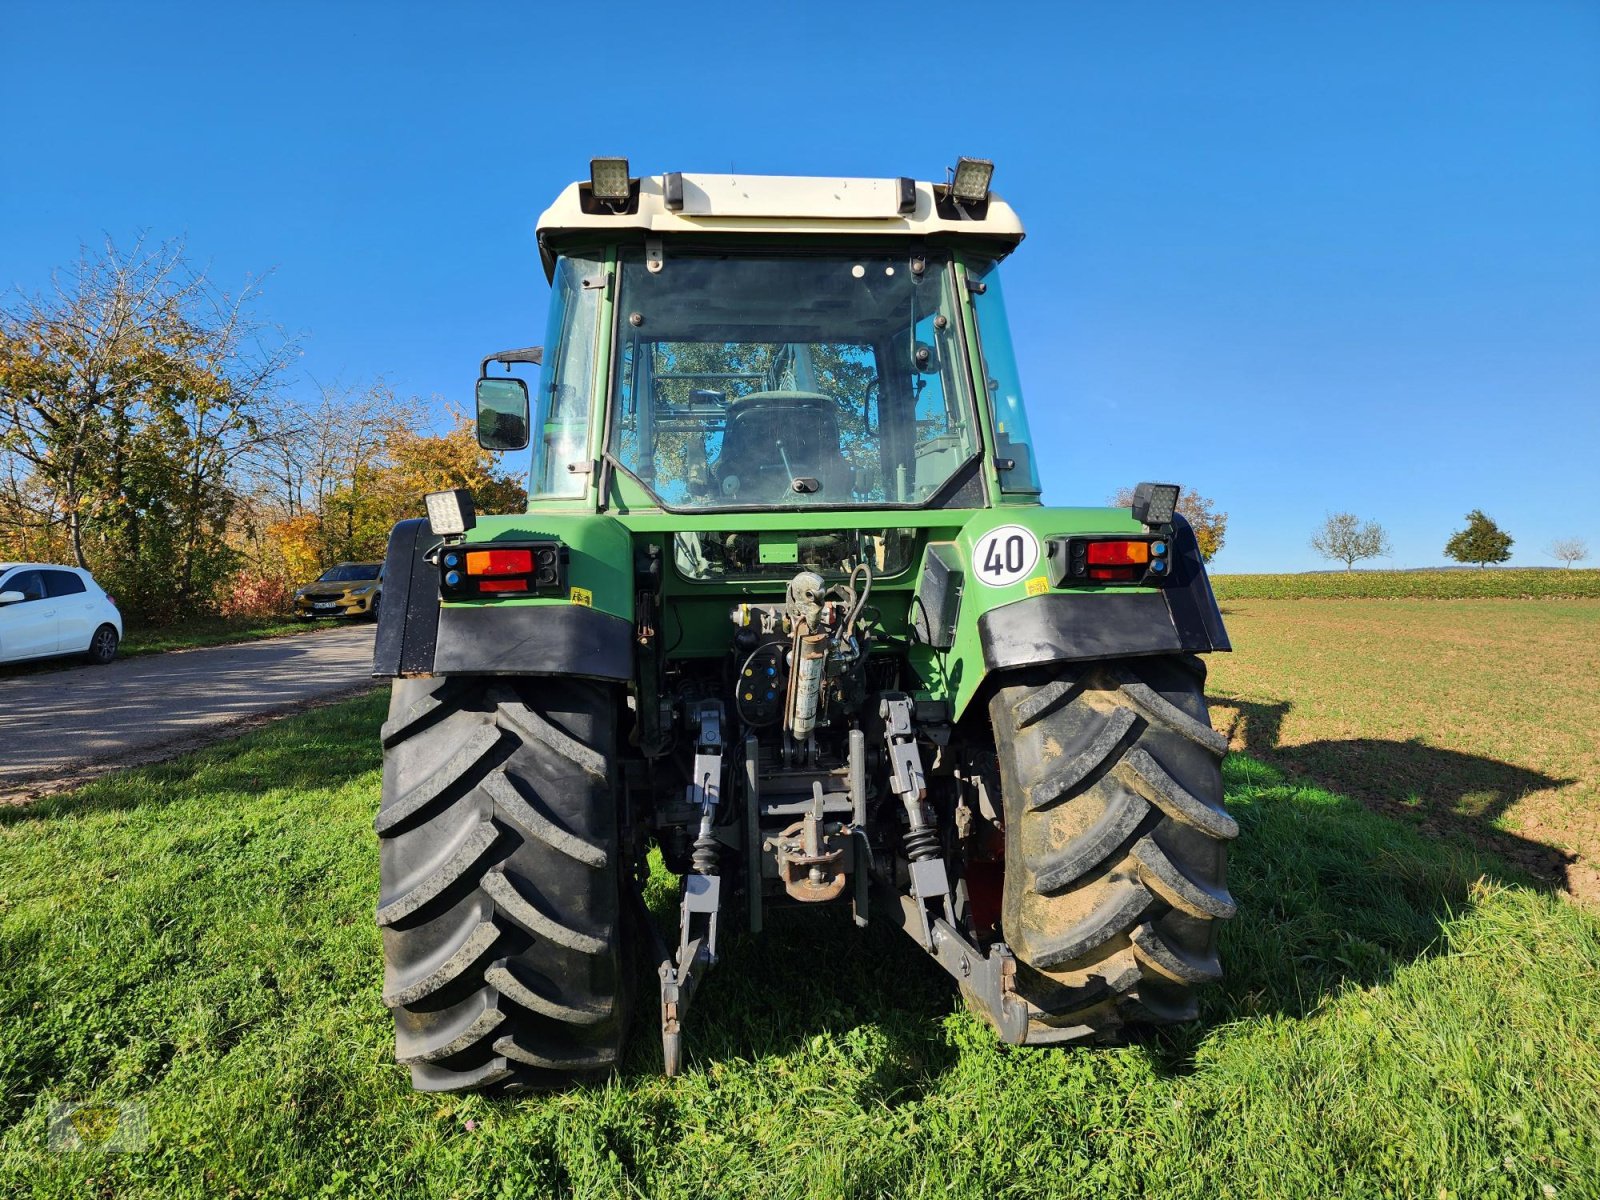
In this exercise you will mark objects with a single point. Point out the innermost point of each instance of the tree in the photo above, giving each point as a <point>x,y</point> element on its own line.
<point>337,474</point>
<point>126,395</point>
<point>1569,550</point>
<point>1210,526</point>
<point>1482,541</point>
<point>1345,538</point>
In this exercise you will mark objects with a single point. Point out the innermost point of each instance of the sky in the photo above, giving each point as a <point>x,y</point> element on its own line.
<point>1302,258</point>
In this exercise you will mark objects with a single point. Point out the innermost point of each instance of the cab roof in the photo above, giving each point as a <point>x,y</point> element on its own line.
<point>685,204</point>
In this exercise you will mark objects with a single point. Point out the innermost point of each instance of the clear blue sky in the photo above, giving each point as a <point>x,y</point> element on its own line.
<point>1301,257</point>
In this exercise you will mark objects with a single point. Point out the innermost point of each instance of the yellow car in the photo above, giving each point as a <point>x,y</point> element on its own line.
<point>347,590</point>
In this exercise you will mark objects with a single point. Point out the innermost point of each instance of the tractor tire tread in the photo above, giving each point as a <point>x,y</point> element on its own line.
<point>1116,843</point>
<point>501,899</point>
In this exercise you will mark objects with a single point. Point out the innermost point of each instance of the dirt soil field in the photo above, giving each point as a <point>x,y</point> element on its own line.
<point>1478,717</point>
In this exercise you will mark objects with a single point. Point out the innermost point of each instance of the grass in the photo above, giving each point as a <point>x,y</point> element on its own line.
<point>1403,1016</point>
<point>1476,716</point>
<point>1501,582</point>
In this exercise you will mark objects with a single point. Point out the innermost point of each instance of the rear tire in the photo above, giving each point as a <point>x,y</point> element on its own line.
<point>103,645</point>
<point>1116,843</point>
<point>500,900</point>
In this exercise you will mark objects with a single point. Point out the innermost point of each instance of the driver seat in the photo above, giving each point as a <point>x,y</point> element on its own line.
<point>807,425</point>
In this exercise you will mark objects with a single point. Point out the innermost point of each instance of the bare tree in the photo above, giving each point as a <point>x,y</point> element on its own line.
<point>315,466</point>
<point>127,392</point>
<point>1569,550</point>
<point>1345,538</point>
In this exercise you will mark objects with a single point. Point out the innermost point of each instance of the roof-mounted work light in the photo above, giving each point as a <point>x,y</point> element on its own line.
<point>451,514</point>
<point>1154,503</point>
<point>609,179</point>
<point>970,183</point>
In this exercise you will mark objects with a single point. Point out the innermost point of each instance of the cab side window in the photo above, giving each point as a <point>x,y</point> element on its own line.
<point>62,583</point>
<point>29,583</point>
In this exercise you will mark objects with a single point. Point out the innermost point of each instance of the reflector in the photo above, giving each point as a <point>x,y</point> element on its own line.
<point>1114,574</point>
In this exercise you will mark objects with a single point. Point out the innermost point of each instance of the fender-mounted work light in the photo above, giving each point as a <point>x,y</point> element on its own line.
<point>450,514</point>
<point>609,179</point>
<point>970,184</point>
<point>1154,503</point>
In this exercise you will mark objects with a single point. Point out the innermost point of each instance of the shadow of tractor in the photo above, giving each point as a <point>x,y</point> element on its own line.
<point>1439,792</point>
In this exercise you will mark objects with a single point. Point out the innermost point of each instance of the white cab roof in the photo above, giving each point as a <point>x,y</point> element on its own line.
<point>695,204</point>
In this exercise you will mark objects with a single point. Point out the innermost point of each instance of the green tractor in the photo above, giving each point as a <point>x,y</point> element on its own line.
<point>785,605</point>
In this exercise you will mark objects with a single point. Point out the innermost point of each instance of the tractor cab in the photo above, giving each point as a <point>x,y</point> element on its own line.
<point>720,344</point>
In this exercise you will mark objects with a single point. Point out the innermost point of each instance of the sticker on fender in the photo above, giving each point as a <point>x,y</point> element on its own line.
<point>1005,555</point>
<point>583,596</point>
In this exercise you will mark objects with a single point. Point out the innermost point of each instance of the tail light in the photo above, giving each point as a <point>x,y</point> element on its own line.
<point>1111,559</point>
<point>501,569</point>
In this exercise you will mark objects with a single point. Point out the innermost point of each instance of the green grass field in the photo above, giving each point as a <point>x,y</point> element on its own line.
<point>1506,583</point>
<point>1403,1016</point>
<point>1472,716</point>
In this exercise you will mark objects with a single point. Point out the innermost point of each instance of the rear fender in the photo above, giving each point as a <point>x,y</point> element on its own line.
<point>586,633</point>
<point>971,619</point>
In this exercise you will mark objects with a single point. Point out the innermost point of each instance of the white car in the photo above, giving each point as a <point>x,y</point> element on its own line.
<point>46,609</point>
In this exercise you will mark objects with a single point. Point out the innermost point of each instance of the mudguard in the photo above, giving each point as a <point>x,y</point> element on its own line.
<point>965,628</point>
<point>1063,626</point>
<point>581,635</point>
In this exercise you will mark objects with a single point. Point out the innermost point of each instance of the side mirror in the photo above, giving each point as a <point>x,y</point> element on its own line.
<point>502,414</point>
<point>12,597</point>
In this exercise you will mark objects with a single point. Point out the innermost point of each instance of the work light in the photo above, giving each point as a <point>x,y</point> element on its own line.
<point>450,513</point>
<point>970,184</point>
<point>1154,503</point>
<point>609,180</point>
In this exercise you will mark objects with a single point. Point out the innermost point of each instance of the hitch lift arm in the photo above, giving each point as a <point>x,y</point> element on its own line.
<point>702,891</point>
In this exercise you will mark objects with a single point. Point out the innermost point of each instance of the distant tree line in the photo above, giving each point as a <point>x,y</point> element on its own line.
<point>1345,537</point>
<point>147,433</point>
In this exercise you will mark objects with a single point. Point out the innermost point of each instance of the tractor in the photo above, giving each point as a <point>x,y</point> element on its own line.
<point>786,608</point>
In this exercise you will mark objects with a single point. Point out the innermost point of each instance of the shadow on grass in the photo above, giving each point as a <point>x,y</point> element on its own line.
<point>1331,894</point>
<point>810,977</point>
<point>1440,792</point>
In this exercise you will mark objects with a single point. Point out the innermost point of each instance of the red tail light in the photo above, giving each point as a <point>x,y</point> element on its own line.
<point>500,562</point>
<point>1118,554</point>
<point>488,569</point>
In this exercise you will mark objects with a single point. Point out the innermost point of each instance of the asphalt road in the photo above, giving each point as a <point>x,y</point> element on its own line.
<point>60,725</point>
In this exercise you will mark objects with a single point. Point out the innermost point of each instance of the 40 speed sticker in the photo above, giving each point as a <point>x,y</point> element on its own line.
<point>1005,555</point>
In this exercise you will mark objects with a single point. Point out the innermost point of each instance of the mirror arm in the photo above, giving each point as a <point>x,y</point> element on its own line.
<point>528,354</point>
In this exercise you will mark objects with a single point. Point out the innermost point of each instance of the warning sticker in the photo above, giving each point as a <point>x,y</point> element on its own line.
<point>1038,585</point>
<point>583,596</point>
